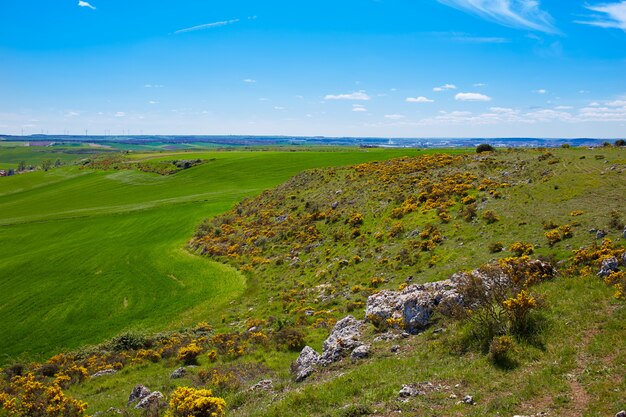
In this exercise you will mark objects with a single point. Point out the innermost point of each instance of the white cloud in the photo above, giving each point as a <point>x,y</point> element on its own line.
<point>279,108</point>
<point>359,95</point>
<point>462,37</point>
<point>520,14</point>
<point>153,102</point>
<point>153,86</point>
<point>613,15</point>
<point>472,97</point>
<point>249,81</point>
<point>359,109</point>
<point>72,114</point>
<point>207,26</point>
<point>616,103</point>
<point>420,99</point>
<point>82,3</point>
<point>394,116</point>
<point>501,110</point>
<point>480,85</point>
<point>445,87</point>
<point>120,114</point>
<point>563,108</point>
<point>541,91</point>
<point>264,99</point>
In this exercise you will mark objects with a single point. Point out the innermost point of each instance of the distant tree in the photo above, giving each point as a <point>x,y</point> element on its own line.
<point>21,166</point>
<point>566,146</point>
<point>11,172</point>
<point>46,164</point>
<point>620,142</point>
<point>484,147</point>
<point>58,163</point>
<point>606,144</point>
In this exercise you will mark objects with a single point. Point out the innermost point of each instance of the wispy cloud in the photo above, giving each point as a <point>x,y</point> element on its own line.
<point>520,14</point>
<point>358,108</point>
<point>420,99</point>
<point>207,26</point>
<point>540,91</point>
<point>358,95</point>
<point>472,97</point>
<point>613,15</point>
<point>445,87</point>
<point>249,81</point>
<point>465,38</point>
<point>394,116</point>
<point>82,3</point>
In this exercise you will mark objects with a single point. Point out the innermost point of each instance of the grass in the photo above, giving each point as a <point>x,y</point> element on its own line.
<point>88,254</point>
<point>572,367</point>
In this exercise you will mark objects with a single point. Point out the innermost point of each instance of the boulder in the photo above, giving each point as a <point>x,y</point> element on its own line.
<point>414,304</point>
<point>152,400</point>
<point>409,391</point>
<point>600,234</point>
<point>138,393</point>
<point>306,363</point>
<point>103,373</point>
<point>178,373</point>
<point>609,265</point>
<point>621,414</point>
<point>343,339</point>
<point>361,352</point>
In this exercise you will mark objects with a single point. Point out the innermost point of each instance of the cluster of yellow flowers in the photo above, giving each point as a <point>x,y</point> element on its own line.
<point>191,402</point>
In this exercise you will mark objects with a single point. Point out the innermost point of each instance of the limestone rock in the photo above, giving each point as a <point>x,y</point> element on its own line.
<point>361,352</point>
<point>103,373</point>
<point>306,363</point>
<point>414,304</point>
<point>152,400</point>
<point>609,265</point>
<point>138,393</point>
<point>178,373</point>
<point>344,338</point>
<point>264,385</point>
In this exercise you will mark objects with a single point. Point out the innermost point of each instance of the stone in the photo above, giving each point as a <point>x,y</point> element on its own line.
<point>178,373</point>
<point>395,348</point>
<point>152,400</point>
<point>468,399</point>
<point>609,265</point>
<point>306,363</point>
<point>104,372</point>
<point>361,352</point>
<point>624,259</point>
<point>415,304</point>
<point>621,414</point>
<point>624,233</point>
<point>600,234</point>
<point>408,391</point>
<point>264,385</point>
<point>111,410</point>
<point>138,393</point>
<point>344,338</point>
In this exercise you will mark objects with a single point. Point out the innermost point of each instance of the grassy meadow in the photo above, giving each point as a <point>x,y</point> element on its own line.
<point>88,254</point>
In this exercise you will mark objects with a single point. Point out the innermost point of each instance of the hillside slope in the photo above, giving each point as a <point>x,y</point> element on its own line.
<point>316,247</point>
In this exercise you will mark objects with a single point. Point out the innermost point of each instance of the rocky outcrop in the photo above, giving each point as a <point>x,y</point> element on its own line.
<point>138,393</point>
<point>264,385</point>
<point>343,339</point>
<point>104,372</point>
<point>361,352</point>
<point>609,265</point>
<point>151,401</point>
<point>178,373</point>
<point>414,305</point>
<point>305,364</point>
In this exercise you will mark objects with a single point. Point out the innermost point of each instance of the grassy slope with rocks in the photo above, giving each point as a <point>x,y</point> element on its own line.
<point>315,247</point>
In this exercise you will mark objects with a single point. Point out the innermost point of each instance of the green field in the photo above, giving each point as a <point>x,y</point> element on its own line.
<point>88,254</point>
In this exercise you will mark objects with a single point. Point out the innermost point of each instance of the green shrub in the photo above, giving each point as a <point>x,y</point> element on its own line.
<point>484,147</point>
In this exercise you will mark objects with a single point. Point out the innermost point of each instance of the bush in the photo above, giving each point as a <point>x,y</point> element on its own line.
<point>620,142</point>
<point>518,309</point>
<point>500,350</point>
<point>290,339</point>
<point>496,247</point>
<point>522,248</point>
<point>553,237</point>
<point>189,354</point>
<point>484,147</point>
<point>193,402</point>
<point>490,217</point>
<point>128,341</point>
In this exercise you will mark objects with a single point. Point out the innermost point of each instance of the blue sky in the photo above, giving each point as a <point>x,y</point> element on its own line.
<point>391,68</point>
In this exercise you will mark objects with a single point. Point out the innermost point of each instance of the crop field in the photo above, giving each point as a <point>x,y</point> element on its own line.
<point>88,254</point>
